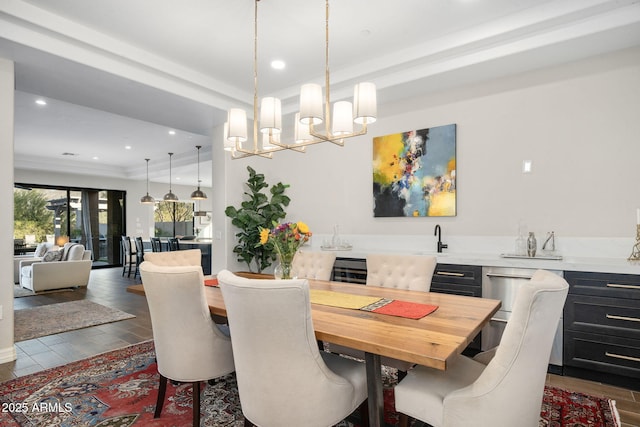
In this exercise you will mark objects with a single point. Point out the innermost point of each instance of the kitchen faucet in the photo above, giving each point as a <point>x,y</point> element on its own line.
<point>438,232</point>
<point>550,237</point>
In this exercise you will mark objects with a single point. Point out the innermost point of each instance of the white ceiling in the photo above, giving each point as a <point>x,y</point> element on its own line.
<point>124,72</point>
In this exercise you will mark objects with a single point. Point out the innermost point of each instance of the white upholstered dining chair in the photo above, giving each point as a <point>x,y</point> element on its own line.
<point>175,258</point>
<point>508,390</point>
<point>407,272</point>
<point>313,265</point>
<point>283,379</point>
<point>189,346</point>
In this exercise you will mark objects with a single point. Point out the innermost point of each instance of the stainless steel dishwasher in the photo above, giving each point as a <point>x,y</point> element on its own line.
<point>503,283</point>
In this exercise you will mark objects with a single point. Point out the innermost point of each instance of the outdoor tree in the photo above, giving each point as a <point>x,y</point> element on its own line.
<point>31,215</point>
<point>172,212</point>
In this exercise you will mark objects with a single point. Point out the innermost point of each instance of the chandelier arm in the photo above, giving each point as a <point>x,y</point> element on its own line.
<point>279,146</point>
<point>247,153</point>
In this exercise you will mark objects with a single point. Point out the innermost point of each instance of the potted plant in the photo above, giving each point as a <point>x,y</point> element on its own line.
<point>257,212</point>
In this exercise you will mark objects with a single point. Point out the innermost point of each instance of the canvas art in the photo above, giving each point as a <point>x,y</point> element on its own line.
<point>414,173</point>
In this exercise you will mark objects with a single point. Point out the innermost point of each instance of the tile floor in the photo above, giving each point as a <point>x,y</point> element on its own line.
<point>108,287</point>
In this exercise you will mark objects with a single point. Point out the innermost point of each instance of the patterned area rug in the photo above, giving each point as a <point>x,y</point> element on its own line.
<point>119,388</point>
<point>52,319</point>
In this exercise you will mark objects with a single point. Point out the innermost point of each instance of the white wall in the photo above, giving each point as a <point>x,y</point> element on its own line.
<point>139,217</point>
<point>7,82</point>
<point>578,123</point>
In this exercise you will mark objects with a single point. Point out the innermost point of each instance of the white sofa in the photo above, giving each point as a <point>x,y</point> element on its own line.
<point>28,259</point>
<point>72,271</point>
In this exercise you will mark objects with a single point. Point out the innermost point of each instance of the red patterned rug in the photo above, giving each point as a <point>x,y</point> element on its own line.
<point>119,389</point>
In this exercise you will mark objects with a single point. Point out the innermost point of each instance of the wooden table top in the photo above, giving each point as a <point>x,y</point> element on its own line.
<point>430,341</point>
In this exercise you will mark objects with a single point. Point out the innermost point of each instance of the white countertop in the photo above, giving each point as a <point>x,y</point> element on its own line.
<point>487,251</point>
<point>195,242</point>
<point>602,265</point>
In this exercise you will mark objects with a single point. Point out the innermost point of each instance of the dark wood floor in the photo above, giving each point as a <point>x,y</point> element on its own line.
<point>108,287</point>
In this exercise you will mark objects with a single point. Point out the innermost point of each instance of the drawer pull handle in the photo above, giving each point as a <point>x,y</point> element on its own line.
<point>630,319</point>
<point>509,276</point>
<point>448,273</point>
<point>615,285</point>
<point>620,356</point>
<point>495,319</point>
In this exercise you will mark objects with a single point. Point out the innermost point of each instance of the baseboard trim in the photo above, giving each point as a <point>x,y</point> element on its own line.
<point>8,354</point>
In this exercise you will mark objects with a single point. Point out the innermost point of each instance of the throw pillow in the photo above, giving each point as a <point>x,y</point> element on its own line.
<point>51,256</point>
<point>75,253</point>
<point>41,249</point>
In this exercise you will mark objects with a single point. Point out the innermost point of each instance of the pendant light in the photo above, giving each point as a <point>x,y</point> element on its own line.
<point>170,197</point>
<point>147,199</point>
<point>198,194</point>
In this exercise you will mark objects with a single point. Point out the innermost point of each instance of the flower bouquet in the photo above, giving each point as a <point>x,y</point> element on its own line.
<point>286,239</point>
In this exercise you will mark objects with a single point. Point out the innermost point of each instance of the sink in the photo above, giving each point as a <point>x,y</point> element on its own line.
<point>436,254</point>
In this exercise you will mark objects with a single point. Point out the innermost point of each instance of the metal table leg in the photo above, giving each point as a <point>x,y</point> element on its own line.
<point>374,389</point>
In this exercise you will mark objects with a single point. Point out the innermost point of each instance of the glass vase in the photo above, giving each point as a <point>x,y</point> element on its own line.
<point>284,267</point>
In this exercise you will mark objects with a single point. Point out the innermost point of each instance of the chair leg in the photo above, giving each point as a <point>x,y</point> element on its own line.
<point>403,421</point>
<point>161,392</point>
<point>196,403</point>
<point>248,423</point>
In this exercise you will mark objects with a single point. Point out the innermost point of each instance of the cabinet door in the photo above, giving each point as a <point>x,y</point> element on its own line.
<point>457,279</point>
<point>611,316</point>
<point>602,353</point>
<point>625,286</point>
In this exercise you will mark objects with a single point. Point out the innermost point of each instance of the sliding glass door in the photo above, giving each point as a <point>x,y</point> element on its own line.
<point>93,217</point>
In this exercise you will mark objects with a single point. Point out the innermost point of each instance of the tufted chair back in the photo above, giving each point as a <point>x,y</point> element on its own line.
<point>409,272</point>
<point>186,257</point>
<point>313,265</point>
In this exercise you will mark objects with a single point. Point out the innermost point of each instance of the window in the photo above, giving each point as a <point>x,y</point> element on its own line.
<point>173,219</point>
<point>95,218</point>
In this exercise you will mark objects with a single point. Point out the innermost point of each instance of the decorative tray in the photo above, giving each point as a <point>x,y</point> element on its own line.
<point>337,248</point>
<point>547,257</point>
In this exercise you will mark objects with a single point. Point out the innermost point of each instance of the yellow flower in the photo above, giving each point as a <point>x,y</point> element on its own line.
<point>304,228</point>
<point>264,236</point>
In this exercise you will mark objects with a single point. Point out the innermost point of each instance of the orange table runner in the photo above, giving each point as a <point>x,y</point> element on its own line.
<point>411,310</point>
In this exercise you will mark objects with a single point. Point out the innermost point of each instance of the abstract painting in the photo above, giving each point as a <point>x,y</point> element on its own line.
<point>414,173</point>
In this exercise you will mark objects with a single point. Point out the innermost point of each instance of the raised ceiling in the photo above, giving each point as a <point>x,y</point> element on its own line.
<point>123,73</point>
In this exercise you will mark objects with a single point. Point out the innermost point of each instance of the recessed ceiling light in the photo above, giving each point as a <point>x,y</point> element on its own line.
<point>172,132</point>
<point>127,147</point>
<point>95,157</point>
<point>41,102</point>
<point>278,64</point>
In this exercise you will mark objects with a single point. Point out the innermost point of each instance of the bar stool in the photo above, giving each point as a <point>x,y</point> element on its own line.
<point>139,255</point>
<point>172,244</point>
<point>156,246</point>
<point>129,258</point>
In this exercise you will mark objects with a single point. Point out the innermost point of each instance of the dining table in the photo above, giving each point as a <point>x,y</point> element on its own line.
<point>433,340</point>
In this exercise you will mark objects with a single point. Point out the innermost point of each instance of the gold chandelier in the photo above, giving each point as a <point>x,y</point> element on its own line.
<point>338,125</point>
